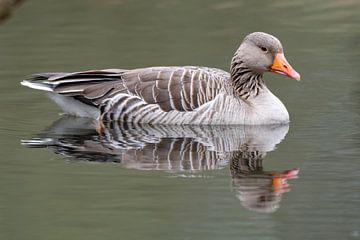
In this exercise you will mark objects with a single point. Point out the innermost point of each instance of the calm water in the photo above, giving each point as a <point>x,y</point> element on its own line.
<point>151,182</point>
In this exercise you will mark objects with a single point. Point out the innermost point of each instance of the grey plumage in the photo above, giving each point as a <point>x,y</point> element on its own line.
<point>174,95</point>
<point>120,94</point>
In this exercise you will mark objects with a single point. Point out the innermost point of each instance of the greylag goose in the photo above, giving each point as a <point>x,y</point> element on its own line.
<point>178,95</point>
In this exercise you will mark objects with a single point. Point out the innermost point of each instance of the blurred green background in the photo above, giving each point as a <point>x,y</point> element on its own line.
<point>44,196</point>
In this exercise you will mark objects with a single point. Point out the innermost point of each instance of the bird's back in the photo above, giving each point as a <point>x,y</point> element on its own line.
<point>152,94</point>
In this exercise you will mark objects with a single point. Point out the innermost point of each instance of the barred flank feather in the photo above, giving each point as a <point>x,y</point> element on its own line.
<point>124,94</point>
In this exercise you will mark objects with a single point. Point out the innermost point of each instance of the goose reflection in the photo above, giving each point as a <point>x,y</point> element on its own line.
<point>179,148</point>
<point>258,190</point>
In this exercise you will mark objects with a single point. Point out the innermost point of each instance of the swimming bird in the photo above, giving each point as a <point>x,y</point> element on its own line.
<point>178,95</point>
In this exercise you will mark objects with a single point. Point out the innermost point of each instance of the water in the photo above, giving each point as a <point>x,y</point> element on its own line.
<point>301,184</point>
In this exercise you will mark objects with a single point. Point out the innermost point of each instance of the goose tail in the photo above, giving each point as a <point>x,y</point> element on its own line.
<point>77,93</point>
<point>39,81</point>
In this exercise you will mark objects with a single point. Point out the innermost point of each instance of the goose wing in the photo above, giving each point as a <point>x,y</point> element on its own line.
<point>176,88</point>
<point>171,88</point>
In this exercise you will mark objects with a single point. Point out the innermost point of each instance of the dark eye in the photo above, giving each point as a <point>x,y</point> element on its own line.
<point>264,49</point>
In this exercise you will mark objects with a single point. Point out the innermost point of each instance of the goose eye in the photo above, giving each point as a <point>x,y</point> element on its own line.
<point>264,49</point>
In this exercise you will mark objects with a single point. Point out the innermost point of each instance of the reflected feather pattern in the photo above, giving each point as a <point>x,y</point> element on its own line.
<point>186,149</point>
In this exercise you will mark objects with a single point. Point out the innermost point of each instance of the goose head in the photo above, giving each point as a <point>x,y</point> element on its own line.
<point>258,53</point>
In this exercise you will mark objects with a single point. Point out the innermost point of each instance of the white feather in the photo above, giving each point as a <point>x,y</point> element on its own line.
<point>39,86</point>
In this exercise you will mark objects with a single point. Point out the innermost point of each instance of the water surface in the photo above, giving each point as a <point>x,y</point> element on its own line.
<point>136,182</point>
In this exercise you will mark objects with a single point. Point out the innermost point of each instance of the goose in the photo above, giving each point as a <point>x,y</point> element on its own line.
<point>178,95</point>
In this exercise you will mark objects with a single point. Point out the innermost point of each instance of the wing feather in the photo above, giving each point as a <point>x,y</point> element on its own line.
<point>176,88</point>
<point>171,88</point>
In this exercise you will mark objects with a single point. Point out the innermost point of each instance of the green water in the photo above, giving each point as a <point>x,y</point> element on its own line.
<point>67,193</point>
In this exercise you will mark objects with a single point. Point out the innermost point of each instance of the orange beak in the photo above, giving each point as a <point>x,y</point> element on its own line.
<point>281,66</point>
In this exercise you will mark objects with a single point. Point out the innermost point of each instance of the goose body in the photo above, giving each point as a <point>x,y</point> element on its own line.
<point>177,95</point>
